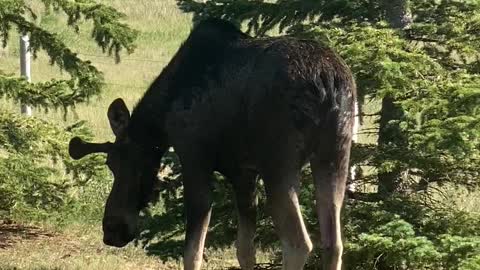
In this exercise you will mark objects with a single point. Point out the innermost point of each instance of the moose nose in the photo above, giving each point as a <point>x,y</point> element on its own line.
<point>115,232</point>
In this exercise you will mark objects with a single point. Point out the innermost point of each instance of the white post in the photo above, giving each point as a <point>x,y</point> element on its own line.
<point>25,68</point>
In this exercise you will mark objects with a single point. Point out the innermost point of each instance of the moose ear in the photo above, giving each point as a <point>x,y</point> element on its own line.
<point>119,116</point>
<point>77,148</point>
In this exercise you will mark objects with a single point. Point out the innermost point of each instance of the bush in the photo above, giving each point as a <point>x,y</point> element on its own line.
<point>400,234</point>
<point>33,165</point>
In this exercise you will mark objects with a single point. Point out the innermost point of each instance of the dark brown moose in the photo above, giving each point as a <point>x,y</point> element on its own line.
<point>244,107</point>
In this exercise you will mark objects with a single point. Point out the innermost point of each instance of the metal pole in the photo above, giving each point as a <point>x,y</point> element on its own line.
<point>25,68</point>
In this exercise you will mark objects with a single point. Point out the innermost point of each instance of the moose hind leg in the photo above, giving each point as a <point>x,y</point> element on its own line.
<point>281,189</point>
<point>330,176</point>
<point>245,186</point>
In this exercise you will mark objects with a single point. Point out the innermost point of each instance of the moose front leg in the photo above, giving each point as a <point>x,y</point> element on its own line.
<point>197,197</point>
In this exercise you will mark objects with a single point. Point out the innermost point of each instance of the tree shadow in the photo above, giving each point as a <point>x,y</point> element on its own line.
<point>261,266</point>
<point>163,233</point>
<point>11,232</point>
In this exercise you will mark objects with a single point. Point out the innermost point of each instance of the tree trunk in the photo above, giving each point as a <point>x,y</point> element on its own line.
<point>397,13</point>
<point>398,16</point>
<point>389,136</point>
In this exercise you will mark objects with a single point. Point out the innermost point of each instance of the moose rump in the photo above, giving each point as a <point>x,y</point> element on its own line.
<point>243,107</point>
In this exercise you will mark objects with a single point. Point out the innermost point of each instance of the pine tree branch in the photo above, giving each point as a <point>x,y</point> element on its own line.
<point>263,16</point>
<point>50,94</point>
<point>108,32</point>
<point>40,141</point>
<point>86,81</point>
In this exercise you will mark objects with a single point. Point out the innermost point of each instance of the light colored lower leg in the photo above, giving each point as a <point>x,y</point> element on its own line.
<point>193,254</point>
<point>289,224</point>
<point>295,257</point>
<point>332,247</point>
<point>329,192</point>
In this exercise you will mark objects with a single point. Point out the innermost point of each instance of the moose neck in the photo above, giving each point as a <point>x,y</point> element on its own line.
<point>148,117</point>
<point>201,50</point>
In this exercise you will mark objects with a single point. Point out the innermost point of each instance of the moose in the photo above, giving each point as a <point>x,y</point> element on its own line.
<point>243,107</point>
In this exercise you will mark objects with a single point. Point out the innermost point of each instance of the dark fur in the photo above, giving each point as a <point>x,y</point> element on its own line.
<point>217,58</point>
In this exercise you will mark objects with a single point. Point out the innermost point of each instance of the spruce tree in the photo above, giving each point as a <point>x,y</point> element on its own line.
<point>30,146</point>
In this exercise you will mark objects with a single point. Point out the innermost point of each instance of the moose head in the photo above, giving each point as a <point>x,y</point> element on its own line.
<point>134,167</point>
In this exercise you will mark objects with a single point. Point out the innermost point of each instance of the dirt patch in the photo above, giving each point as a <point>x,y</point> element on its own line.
<point>11,233</point>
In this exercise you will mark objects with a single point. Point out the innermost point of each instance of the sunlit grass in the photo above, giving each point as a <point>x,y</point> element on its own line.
<point>75,249</point>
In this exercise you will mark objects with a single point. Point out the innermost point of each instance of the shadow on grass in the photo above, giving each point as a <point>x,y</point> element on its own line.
<point>11,232</point>
<point>163,232</point>
<point>161,236</point>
